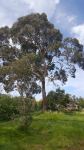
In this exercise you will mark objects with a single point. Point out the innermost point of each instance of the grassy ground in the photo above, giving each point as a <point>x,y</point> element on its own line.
<point>49,131</point>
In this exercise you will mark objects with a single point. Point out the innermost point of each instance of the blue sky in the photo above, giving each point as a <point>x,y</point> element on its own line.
<point>67,15</point>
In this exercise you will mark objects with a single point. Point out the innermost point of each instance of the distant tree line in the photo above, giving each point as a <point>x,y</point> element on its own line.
<point>13,107</point>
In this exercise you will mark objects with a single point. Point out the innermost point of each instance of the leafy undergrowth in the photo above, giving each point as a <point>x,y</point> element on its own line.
<point>49,131</point>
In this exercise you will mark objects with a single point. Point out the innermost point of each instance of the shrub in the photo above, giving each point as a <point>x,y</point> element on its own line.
<point>60,101</point>
<point>25,108</point>
<point>8,108</point>
<point>13,107</point>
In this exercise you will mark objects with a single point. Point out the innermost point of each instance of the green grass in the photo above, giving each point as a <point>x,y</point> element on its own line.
<point>49,131</point>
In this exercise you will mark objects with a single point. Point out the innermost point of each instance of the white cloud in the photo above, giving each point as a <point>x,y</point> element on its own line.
<point>44,6</point>
<point>12,9</point>
<point>78,32</point>
<point>71,19</point>
<point>64,17</point>
<point>76,86</point>
<point>63,20</point>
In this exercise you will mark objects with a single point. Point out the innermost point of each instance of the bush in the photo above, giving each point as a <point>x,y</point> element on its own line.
<point>81,103</point>
<point>16,107</point>
<point>25,108</point>
<point>56,100</point>
<point>8,108</point>
<point>60,101</point>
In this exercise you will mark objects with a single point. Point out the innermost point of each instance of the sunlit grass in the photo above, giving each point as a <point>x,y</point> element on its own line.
<point>49,131</point>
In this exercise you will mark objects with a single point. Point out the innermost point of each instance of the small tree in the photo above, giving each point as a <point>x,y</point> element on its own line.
<point>25,109</point>
<point>57,100</point>
<point>81,103</point>
<point>52,101</point>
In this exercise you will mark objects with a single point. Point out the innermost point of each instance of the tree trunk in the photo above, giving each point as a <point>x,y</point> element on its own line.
<point>44,94</point>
